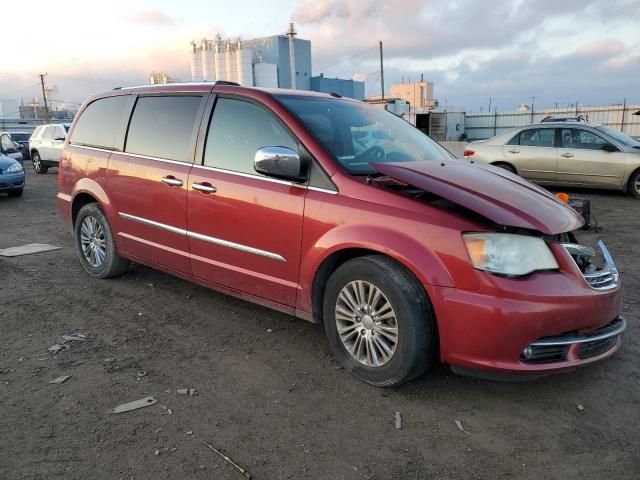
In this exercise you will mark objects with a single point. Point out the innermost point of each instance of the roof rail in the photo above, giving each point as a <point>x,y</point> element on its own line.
<point>181,84</point>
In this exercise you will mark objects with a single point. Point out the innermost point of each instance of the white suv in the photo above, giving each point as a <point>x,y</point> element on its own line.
<point>45,145</point>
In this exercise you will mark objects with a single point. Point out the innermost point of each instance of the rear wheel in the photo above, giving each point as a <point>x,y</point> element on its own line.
<point>378,321</point>
<point>38,167</point>
<point>634,184</point>
<point>95,244</point>
<point>506,166</point>
<point>15,193</point>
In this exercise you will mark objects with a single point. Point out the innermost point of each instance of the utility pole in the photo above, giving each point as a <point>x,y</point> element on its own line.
<point>381,71</point>
<point>624,109</point>
<point>556,105</point>
<point>44,95</point>
<point>490,99</point>
<point>533,99</point>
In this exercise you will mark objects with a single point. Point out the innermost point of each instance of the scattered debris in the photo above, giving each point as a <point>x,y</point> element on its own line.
<point>109,360</point>
<point>150,285</point>
<point>580,407</point>
<point>269,330</point>
<point>187,391</point>
<point>238,467</point>
<point>127,407</point>
<point>398,421</point>
<point>167,410</point>
<point>157,452</point>
<point>74,337</point>
<point>20,359</point>
<point>190,432</point>
<point>60,380</point>
<point>57,348</point>
<point>140,375</point>
<point>460,427</point>
<point>27,249</point>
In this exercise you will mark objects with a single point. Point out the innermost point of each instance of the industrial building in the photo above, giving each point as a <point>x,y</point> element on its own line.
<point>278,61</point>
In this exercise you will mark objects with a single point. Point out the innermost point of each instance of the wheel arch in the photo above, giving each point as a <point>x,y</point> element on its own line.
<point>429,270</point>
<point>497,163</point>
<point>627,184</point>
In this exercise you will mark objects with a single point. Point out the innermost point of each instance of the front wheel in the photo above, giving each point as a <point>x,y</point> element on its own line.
<point>38,167</point>
<point>95,244</point>
<point>378,321</point>
<point>634,184</point>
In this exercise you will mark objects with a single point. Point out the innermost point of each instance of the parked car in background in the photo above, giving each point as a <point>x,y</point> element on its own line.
<point>11,176</point>
<point>344,214</point>
<point>45,145</point>
<point>22,139</point>
<point>565,153</point>
<point>9,147</point>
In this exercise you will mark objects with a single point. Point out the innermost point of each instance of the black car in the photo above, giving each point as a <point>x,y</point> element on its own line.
<point>22,139</point>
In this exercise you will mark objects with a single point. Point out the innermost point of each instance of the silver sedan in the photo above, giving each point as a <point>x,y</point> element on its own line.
<point>566,153</point>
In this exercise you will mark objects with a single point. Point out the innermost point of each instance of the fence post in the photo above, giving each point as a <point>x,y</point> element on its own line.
<point>624,109</point>
<point>495,121</point>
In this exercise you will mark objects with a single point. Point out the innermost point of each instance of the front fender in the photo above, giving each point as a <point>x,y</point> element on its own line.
<point>428,268</point>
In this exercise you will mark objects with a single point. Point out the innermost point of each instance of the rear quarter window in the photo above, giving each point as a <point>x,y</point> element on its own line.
<point>164,127</point>
<point>101,123</point>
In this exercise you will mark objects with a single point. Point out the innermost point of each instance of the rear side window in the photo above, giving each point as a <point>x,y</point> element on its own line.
<point>37,133</point>
<point>237,130</point>
<point>100,124</point>
<point>163,127</point>
<point>534,137</point>
<point>48,133</point>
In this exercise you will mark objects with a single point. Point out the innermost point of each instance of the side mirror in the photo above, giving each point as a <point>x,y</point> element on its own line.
<point>607,147</point>
<point>280,162</point>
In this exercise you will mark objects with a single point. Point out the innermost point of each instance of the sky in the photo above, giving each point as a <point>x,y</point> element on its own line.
<point>508,50</point>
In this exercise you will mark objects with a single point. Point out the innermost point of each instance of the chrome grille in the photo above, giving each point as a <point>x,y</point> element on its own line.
<point>597,268</point>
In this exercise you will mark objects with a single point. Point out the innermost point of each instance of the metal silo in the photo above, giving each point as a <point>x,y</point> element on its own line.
<point>243,66</point>
<point>219,61</point>
<point>196,63</point>
<point>208,71</point>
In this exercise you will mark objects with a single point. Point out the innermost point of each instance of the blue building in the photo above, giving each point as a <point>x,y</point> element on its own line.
<point>265,62</point>
<point>346,88</point>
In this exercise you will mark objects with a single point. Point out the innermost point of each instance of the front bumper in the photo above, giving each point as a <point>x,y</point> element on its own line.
<point>545,323</point>
<point>11,182</point>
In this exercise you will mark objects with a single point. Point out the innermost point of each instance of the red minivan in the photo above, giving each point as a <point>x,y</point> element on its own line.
<point>340,213</point>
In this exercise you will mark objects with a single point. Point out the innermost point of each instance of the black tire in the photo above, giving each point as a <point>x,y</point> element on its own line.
<point>417,336</point>
<point>633,187</point>
<point>113,264</point>
<point>15,193</point>
<point>506,166</point>
<point>38,167</point>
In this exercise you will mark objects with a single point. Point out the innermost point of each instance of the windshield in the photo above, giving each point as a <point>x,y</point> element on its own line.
<point>20,137</point>
<point>357,134</point>
<point>619,136</point>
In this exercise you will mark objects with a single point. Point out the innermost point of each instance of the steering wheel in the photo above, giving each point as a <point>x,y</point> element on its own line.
<point>371,154</point>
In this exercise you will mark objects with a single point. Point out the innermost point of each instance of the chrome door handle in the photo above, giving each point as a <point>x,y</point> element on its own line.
<point>204,188</point>
<point>514,151</point>
<point>567,155</point>
<point>172,181</point>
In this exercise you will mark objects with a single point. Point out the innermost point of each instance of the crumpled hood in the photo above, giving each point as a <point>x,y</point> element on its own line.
<point>492,192</point>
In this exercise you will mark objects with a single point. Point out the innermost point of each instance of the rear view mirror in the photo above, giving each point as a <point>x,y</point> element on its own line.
<point>607,147</point>
<point>280,162</point>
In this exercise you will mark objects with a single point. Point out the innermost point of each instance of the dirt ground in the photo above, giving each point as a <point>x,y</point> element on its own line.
<point>270,394</point>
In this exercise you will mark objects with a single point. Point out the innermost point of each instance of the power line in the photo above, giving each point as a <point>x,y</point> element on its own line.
<point>348,58</point>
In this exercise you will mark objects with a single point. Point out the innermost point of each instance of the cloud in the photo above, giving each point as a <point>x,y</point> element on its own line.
<point>151,17</point>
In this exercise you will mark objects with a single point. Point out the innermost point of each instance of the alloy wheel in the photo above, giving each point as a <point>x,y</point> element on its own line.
<point>367,324</point>
<point>37,165</point>
<point>92,241</point>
